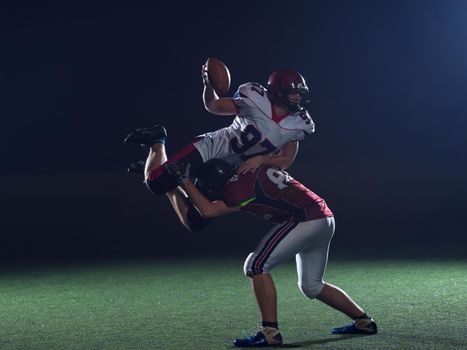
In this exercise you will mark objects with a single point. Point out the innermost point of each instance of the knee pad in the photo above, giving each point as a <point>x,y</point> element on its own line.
<point>248,270</point>
<point>311,290</point>
<point>161,184</point>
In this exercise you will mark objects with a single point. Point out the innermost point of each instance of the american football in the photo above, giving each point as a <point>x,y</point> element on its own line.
<point>218,75</point>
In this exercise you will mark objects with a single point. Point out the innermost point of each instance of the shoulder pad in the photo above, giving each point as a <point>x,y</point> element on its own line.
<point>253,95</point>
<point>252,90</point>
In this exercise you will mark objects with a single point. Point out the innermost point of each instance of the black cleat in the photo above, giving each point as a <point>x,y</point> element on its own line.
<point>147,136</point>
<point>137,168</point>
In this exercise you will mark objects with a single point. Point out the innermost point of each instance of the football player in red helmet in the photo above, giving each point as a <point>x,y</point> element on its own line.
<point>286,88</point>
<point>304,229</point>
<point>267,127</point>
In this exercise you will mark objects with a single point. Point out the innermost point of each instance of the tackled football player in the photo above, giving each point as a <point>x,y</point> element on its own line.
<point>266,121</point>
<point>304,228</point>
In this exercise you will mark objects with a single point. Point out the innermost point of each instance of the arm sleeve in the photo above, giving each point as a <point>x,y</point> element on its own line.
<point>252,100</point>
<point>242,98</point>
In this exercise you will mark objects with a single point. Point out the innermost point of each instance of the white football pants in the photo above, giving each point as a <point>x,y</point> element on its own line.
<point>308,241</point>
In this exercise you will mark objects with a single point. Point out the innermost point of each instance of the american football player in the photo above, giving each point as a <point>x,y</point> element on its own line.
<point>266,130</point>
<point>304,228</point>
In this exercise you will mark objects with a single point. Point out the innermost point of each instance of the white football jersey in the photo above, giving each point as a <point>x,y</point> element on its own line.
<point>255,130</point>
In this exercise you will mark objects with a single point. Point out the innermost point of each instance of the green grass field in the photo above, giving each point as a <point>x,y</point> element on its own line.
<point>204,304</point>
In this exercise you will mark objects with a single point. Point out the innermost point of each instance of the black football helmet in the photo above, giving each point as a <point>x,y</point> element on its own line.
<point>212,177</point>
<point>283,82</point>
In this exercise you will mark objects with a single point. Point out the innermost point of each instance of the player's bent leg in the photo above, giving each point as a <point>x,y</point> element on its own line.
<point>157,179</point>
<point>277,245</point>
<point>257,267</point>
<point>185,210</point>
<point>312,259</point>
<point>156,157</point>
<point>311,265</point>
<point>341,301</point>
<point>282,243</point>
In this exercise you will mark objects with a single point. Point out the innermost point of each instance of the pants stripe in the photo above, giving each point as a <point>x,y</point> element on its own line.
<point>180,154</point>
<point>270,245</point>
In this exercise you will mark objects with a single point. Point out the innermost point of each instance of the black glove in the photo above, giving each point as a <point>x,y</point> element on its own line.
<point>178,171</point>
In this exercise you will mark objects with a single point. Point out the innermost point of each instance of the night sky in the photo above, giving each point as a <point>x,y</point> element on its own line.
<point>389,99</point>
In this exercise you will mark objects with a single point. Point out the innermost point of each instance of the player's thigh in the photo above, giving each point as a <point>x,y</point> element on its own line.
<point>159,181</point>
<point>312,260</point>
<point>269,251</point>
<point>282,243</point>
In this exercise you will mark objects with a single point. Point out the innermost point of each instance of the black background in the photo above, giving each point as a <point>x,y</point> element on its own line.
<point>389,99</point>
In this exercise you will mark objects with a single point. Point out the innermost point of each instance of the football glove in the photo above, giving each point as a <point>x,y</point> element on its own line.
<point>178,171</point>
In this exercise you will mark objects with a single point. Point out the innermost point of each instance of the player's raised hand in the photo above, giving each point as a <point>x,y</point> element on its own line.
<point>251,164</point>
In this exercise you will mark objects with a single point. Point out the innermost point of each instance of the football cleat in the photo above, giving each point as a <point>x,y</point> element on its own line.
<point>147,136</point>
<point>359,326</point>
<point>266,336</point>
<point>137,168</point>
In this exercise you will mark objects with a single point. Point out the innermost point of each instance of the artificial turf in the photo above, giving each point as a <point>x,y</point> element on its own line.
<point>204,304</point>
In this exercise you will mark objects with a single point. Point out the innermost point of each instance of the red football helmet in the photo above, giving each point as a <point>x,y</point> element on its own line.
<point>283,82</point>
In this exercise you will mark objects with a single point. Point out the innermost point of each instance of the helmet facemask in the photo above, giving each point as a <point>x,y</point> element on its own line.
<point>295,105</point>
<point>284,82</point>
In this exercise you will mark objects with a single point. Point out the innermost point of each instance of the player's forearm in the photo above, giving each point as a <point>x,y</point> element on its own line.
<point>278,161</point>
<point>285,158</point>
<point>216,105</point>
<point>201,202</point>
<point>180,204</point>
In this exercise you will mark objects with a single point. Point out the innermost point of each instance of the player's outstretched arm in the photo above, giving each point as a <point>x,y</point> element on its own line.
<point>216,105</point>
<point>206,208</point>
<point>283,160</point>
<point>212,102</point>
